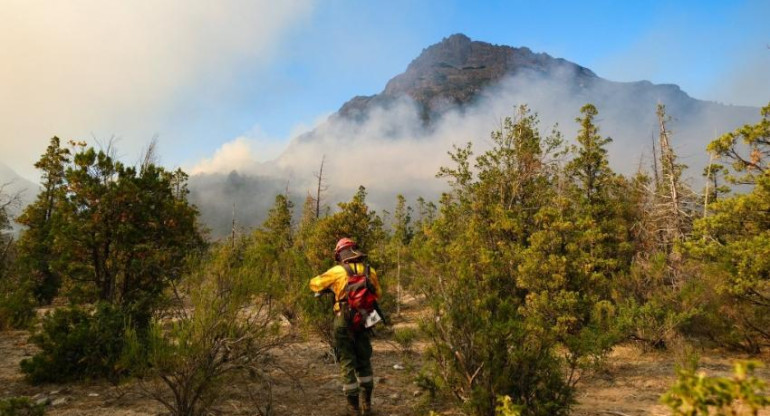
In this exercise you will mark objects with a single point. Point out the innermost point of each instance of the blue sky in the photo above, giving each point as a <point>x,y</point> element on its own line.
<point>200,74</point>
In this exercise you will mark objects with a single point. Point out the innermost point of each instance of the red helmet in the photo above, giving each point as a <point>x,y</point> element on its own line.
<point>343,244</point>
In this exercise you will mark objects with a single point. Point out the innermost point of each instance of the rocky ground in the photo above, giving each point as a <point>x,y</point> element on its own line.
<point>306,383</point>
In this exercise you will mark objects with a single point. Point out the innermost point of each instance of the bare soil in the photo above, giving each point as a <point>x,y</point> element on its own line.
<point>630,384</point>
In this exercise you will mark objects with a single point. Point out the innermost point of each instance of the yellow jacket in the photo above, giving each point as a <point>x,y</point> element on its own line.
<point>336,278</point>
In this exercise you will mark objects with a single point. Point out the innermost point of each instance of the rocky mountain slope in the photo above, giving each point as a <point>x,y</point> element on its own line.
<point>13,186</point>
<point>454,71</point>
<point>456,91</point>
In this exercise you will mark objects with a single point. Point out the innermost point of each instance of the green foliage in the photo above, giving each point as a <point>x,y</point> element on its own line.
<point>650,309</point>
<point>405,338</point>
<point>517,266</point>
<point>505,407</point>
<point>273,251</point>
<point>36,246</point>
<point>216,343</point>
<point>755,137</point>
<point>77,343</point>
<point>17,301</point>
<point>697,394</point>
<point>139,222</point>
<point>590,167</point>
<point>733,244</point>
<point>354,220</point>
<point>398,257</point>
<point>120,234</point>
<point>20,406</point>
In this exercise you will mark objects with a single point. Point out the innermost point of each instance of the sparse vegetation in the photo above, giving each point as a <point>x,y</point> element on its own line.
<point>537,262</point>
<point>696,394</point>
<point>217,343</point>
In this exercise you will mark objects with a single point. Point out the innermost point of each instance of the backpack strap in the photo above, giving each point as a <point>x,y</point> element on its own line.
<point>368,280</point>
<point>348,269</point>
<point>365,283</point>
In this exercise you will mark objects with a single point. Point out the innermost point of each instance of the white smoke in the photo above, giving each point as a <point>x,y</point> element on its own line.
<point>131,69</point>
<point>391,151</point>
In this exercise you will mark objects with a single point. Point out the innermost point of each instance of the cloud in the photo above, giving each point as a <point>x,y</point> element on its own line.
<point>85,67</point>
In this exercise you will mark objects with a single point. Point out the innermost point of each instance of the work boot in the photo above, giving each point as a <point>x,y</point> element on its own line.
<point>353,405</point>
<point>366,402</point>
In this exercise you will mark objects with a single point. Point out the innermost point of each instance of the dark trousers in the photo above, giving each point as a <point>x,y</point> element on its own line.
<point>355,353</point>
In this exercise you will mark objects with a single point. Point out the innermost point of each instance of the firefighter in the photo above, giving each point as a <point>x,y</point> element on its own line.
<point>353,344</point>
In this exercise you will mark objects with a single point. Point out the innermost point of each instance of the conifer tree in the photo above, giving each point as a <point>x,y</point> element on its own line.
<point>36,245</point>
<point>119,234</point>
<point>277,229</point>
<point>733,242</point>
<point>16,300</point>
<point>501,268</point>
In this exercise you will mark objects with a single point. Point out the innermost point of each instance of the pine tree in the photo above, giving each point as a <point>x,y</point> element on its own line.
<point>503,268</point>
<point>277,229</point>
<point>733,243</point>
<point>119,234</point>
<point>36,245</point>
<point>748,168</point>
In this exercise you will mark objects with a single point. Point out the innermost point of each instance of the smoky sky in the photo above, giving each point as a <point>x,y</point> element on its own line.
<point>392,151</point>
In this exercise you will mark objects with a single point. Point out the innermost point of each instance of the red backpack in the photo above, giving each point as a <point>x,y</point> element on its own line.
<point>361,297</point>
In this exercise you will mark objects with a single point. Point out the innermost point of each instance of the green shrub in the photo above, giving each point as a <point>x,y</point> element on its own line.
<point>518,266</point>
<point>505,407</point>
<point>696,394</point>
<point>17,305</point>
<point>405,338</point>
<point>217,345</point>
<point>78,344</point>
<point>20,406</point>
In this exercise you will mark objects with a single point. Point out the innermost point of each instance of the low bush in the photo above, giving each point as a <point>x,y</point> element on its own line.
<point>217,344</point>
<point>77,344</point>
<point>17,305</point>
<point>405,338</point>
<point>20,406</point>
<point>694,393</point>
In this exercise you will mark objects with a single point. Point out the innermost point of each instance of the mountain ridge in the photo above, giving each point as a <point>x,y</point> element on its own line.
<point>455,71</point>
<point>454,92</point>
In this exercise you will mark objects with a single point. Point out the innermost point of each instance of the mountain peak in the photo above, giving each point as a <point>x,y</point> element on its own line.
<point>454,71</point>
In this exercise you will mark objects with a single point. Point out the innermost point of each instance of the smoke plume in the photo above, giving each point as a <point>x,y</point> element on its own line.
<point>392,150</point>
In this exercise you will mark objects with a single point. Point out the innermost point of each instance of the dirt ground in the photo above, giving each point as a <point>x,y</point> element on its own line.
<point>308,385</point>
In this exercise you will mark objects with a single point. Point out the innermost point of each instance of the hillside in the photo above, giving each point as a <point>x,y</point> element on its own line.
<point>455,71</point>
<point>457,91</point>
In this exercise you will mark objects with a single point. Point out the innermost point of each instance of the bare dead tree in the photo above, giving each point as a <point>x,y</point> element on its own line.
<point>322,187</point>
<point>150,153</point>
<point>655,162</point>
<point>670,171</point>
<point>672,196</point>
<point>709,175</point>
<point>232,230</point>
